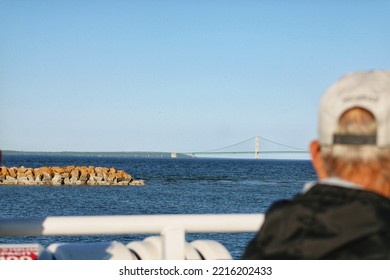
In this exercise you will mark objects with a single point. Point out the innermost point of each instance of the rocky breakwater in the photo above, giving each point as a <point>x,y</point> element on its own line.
<point>70,175</point>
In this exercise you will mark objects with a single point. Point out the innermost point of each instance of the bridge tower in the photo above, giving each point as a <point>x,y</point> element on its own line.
<point>257,146</point>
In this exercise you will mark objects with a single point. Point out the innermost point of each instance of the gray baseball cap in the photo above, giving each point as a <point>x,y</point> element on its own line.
<point>369,90</point>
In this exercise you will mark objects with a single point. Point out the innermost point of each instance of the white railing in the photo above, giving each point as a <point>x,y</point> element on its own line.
<point>171,228</point>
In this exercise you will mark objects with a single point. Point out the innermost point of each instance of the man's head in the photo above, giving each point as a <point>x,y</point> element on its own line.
<point>354,131</point>
<point>366,90</point>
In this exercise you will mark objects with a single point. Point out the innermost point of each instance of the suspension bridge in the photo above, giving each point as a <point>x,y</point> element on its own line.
<point>227,150</point>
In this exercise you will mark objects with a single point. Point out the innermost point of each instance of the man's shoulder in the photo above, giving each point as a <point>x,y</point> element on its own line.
<point>325,222</point>
<point>331,203</point>
<point>335,194</point>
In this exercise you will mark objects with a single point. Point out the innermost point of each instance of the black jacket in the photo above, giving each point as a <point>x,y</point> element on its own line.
<point>327,222</point>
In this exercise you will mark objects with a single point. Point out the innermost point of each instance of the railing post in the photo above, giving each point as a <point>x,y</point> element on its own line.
<point>173,243</point>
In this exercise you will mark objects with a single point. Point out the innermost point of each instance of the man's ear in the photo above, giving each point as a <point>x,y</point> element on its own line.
<point>317,161</point>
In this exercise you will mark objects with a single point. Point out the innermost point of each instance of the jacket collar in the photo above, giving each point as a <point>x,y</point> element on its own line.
<point>333,181</point>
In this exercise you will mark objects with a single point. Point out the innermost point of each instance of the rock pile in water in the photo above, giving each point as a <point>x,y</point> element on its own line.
<point>70,175</point>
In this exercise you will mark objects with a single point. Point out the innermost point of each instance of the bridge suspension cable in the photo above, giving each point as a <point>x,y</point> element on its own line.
<point>283,145</point>
<point>294,150</point>
<point>230,146</point>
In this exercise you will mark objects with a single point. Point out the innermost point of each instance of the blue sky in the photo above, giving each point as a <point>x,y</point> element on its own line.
<point>176,75</point>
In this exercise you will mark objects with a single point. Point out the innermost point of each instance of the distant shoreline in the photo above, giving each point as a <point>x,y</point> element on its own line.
<point>121,155</point>
<point>103,154</point>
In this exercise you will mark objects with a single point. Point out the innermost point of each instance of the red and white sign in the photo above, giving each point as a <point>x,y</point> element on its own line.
<point>20,252</point>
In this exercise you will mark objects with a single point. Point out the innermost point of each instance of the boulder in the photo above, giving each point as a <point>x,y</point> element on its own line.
<point>9,180</point>
<point>21,169</point>
<point>57,180</point>
<point>12,171</point>
<point>69,168</point>
<point>67,179</point>
<point>4,171</point>
<point>75,174</point>
<point>23,180</point>
<point>29,172</point>
<point>112,170</point>
<point>91,170</point>
<point>84,175</point>
<point>58,170</point>
<point>43,175</point>
<point>137,183</point>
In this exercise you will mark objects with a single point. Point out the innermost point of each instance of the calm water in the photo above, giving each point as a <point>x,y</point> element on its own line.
<point>172,186</point>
